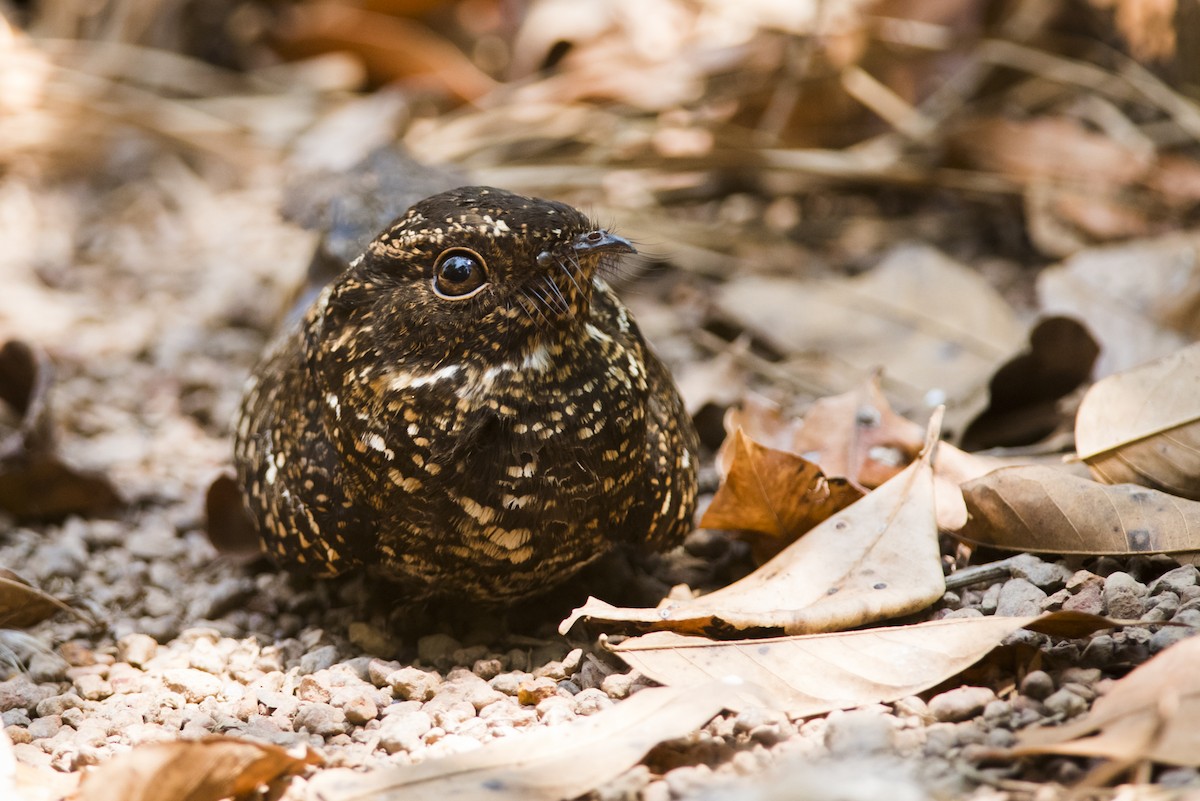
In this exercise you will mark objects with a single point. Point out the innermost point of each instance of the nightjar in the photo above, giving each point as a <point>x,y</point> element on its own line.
<point>468,409</point>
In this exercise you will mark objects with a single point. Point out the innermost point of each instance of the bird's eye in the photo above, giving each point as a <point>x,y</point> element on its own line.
<point>458,273</point>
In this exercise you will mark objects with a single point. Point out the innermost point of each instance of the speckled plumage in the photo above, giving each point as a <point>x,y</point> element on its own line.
<point>486,444</point>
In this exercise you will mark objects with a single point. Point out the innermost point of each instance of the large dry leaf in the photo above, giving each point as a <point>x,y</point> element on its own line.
<point>1138,299</point>
<point>34,482</point>
<point>191,770</point>
<point>874,560</point>
<point>1142,426</point>
<point>1050,510</point>
<point>857,436</point>
<point>22,605</point>
<point>1150,714</point>
<point>774,493</point>
<point>817,673</point>
<point>940,329</point>
<point>545,765</point>
<point>1024,394</point>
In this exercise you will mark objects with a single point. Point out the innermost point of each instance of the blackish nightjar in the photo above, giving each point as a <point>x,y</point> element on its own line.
<point>468,409</point>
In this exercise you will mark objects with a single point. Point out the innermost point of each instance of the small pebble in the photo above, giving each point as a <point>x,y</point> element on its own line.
<point>319,659</point>
<point>45,726</point>
<point>1088,594</point>
<point>21,693</point>
<point>414,684</point>
<point>961,703</point>
<point>619,685</point>
<point>1046,576</point>
<point>858,733</point>
<point>991,597</point>
<point>1124,596</point>
<point>487,669</point>
<point>1037,684</point>
<point>1019,598</point>
<point>357,705</point>
<point>533,691</point>
<point>92,687</point>
<point>378,671</point>
<point>1175,580</point>
<point>58,704</point>
<point>325,720</point>
<point>435,648</point>
<point>1065,704</point>
<point>372,640</point>
<point>194,685</point>
<point>591,701</point>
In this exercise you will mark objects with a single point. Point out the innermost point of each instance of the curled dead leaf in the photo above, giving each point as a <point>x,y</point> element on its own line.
<point>1024,392</point>
<point>817,673</point>
<point>1142,426</point>
<point>1050,510</point>
<point>854,435</point>
<point>230,529</point>
<point>22,605</point>
<point>877,558</point>
<point>35,484</point>
<point>774,493</point>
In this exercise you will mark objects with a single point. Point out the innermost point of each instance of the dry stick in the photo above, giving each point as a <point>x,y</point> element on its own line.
<point>1182,110</point>
<point>978,574</point>
<point>894,109</point>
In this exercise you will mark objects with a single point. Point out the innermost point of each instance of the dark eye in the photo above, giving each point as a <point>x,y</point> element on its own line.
<point>458,273</point>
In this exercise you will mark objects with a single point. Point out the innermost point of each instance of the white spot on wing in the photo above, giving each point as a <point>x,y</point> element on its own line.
<point>406,380</point>
<point>538,359</point>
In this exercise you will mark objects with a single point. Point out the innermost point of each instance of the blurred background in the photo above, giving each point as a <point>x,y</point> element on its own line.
<point>770,157</point>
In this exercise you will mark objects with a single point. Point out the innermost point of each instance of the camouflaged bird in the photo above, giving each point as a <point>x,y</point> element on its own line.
<point>468,409</point>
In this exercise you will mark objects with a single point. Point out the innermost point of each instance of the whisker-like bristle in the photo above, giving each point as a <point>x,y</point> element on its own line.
<point>572,260</point>
<point>557,293</point>
<point>537,304</point>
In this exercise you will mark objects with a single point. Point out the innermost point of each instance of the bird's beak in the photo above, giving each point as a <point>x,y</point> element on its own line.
<point>601,241</point>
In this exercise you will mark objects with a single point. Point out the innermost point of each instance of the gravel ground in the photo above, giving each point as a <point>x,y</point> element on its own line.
<point>152,351</point>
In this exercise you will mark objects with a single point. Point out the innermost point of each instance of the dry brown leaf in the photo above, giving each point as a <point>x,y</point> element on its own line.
<point>874,560</point>
<point>1049,510</point>
<point>1142,426</point>
<point>23,605</point>
<point>35,484</point>
<point>936,325</point>
<point>230,529</point>
<point>191,770</point>
<point>856,435</point>
<point>774,493</point>
<point>817,673</point>
<point>392,48</point>
<point>545,765</point>
<point>1139,298</point>
<point>1148,715</point>
<point>1024,393</point>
